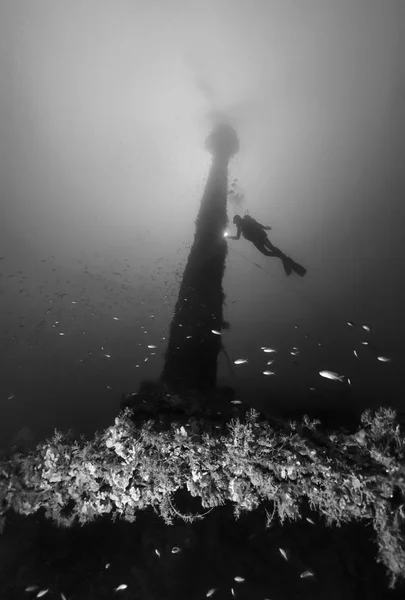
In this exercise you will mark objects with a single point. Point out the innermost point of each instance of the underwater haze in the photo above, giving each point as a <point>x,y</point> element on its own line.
<point>104,111</point>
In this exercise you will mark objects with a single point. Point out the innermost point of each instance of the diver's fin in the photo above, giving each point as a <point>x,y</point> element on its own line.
<point>299,269</point>
<point>287,266</point>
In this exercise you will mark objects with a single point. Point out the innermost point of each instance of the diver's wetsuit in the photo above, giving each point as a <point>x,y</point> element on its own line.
<point>254,232</point>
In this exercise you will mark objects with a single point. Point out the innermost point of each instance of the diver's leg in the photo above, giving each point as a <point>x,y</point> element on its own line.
<point>277,252</point>
<point>286,263</point>
<point>292,265</point>
<point>269,246</point>
<point>261,247</point>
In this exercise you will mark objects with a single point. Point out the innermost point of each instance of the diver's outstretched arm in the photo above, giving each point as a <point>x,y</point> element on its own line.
<point>237,236</point>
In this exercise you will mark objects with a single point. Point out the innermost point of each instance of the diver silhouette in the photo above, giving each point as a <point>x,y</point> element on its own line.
<point>255,233</point>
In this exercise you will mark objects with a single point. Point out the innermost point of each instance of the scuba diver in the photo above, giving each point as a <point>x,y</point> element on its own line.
<point>254,232</point>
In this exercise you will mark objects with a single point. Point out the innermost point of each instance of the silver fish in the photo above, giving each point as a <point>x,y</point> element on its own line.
<point>383,359</point>
<point>307,574</point>
<point>331,375</point>
<point>240,361</point>
<point>283,553</point>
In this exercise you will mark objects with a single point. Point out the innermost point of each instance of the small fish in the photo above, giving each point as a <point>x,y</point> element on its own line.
<point>62,595</point>
<point>269,349</point>
<point>211,592</point>
<point>283,553</point>
<point>123,586</point>
<point>350,323</point>
<point>107,565</point>
<point>332,375</point>
<point>31,588</point>
<point>364,343</point>
<point>116,318</point>
<point>152,346</point>
<point>296,326</point>
<point>215,332</point>
<point>270,362</point>
<point>355,354</point>
<point>107,355</point>
<point>232,592</point>
<point>310,521</point>
<point>176,549</point>
<point>367,328</point>
<point>42,593</point>
<point>383,359</point>
<point>240,361</point>
<point>60,333</point>
<point>307,574</point>
<point>239,579</point>
<point>269,373</point>
<point>157,552</point>
<point>236,402</point>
